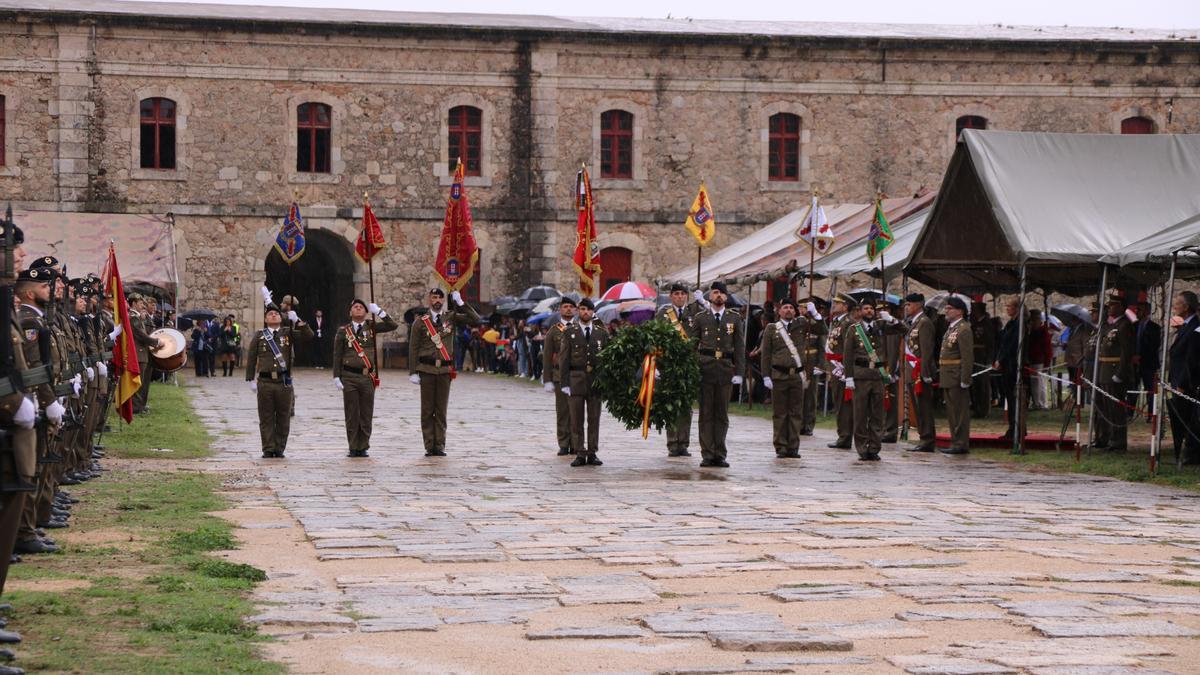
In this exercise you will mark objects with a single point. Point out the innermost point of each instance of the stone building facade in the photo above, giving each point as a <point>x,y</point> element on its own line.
<point>877,107</point>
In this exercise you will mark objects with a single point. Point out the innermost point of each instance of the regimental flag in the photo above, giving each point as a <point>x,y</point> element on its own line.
<point>370,238</point>
<point>815,230</point>
<point>290,240</point>
<point>879,237</point>
<point>125,363</point>
<point>702,220</point>
<point>587,251</point>
<point>457,253</point>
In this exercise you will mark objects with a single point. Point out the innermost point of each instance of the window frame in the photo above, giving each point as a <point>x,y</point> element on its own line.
<point>313,126</point>
<point>156,123</point>
<point>460,129</point>
<point>613,132</point>
<point>779,154</point>
<point>1139,119</point>
<point>969,121</point>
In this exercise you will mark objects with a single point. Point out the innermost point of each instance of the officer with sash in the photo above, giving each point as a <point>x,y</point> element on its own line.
<point>680,314</point>
<point>577,362</point>
<point>922,368</point>
<point>431,362</point>
<point>550,350</point>
<point>955,361</point>
<point>813,354</point>
<point>785,374</point>
<point>355,373</point>
<point>844,313</point>
<point>269,362</point>
<point>721,349</point>
<point>864,358</point>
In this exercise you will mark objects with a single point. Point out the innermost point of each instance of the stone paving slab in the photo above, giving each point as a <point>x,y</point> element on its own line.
<point>779,641</point>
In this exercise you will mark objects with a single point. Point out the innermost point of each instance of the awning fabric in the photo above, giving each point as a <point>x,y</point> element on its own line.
<point>1157,249</point>
<point>1057,202</point>
<point>853,259</point>
<point>145,251</point>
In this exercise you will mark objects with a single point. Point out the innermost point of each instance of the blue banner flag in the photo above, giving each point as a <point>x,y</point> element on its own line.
<point>290,240</point>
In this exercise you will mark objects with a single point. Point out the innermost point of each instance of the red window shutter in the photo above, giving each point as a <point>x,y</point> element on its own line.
<point>783,149</point>
<point>616,144</point>
<point>466,139</point>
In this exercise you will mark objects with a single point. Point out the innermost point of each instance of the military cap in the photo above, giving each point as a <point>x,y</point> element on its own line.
<point>957,303</point>
<point>846,300</point>
<point>678,287</point>
<point>1117,296</point>
<point>18,234</point>
<point>356,301</point>
<point>38,274</point>
<point>816,300</point>
<point>915,297</point>
<point>44,261</point>
<point>719,286</point>
<point>567,301</point>
<point>290,300</point>
<point>134,297</point>
<point>789,301</point>
<point>271,307</point>
<point>587,303</point>
<point>438,292</point>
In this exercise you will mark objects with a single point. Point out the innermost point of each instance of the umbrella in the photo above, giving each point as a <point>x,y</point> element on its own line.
<point>539,317</point>
<point>1072,314</point>
<point>938,302</point>
<point>630,290</point>
<point>626,309</point>
<point>490,336</point>
<point>539,293</point>
<point>863,295</point>
<point>199,314</point>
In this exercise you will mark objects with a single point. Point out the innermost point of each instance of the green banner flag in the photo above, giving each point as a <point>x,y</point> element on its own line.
<point>880,236</point>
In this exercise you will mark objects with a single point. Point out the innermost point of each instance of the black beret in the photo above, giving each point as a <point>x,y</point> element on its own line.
<point>38,274</point>
<point>567,301</point>
<point>270,307</point>
<point>957,303</point>
<point>438,292</point>
<point>788,301</point>
<point>358,301</point>
<point>18,235</point>
<point>678,287</point>
<point>44,261</point>
<point>719,286</point>
<point>587,303</point>
<point>915,297</point>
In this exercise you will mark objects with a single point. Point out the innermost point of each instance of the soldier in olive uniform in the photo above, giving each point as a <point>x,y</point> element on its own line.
<point>1117,339</point>
<point>141,325</point>
<point>786,375</point>
<point>813,355</point>
<point>680,314</point>
<point>431,362</point>
<point>983,332</point>
<point>721,347</point>
<point>577,361</point>
<point>866,375</point>
<point>893,338</point>
<point>550,350</point>
<point>354,370</point>
<point>919,358</point>
<point>270,377</point>
<point>844,310</point>
<point>954,365</point>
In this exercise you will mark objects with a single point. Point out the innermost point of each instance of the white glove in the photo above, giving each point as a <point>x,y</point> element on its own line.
<point>266,295</point>
<point>886,316</point>
<point>101,369</point>
<point>566,390</point>
<point>26,415</point>
<point>292,316</point>
<point>112,337</point>
<point>928,380</point>
<point>415,378</point>
<point>54,413</point>
<point>374,308</point>
<point>838,369</point>
<point>850,383</point>
<point>254,386</point>
<point>457,298</point>
<point>77,384</point>
<point>657,374</point>
<point>549,387</point>
<point>816,372</point>
<point>737,380</point>
<point>803,379</point>
<point>768,383</point>
<point>1116,379</point>
<point>337,382</point>
<point>1132,315</point>
<point>91,373</point>
<point>698,296</point>
<point>965,385</point>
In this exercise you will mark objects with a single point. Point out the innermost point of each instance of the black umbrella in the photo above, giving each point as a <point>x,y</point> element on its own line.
<point>1072,314</point>
<point>539,293</point>
<point>201,314</point>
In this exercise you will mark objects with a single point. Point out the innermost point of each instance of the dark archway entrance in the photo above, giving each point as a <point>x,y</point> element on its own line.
<point>323,278</point>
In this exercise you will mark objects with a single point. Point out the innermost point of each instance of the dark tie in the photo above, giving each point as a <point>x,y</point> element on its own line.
<point>587,335</point>
<point>358,330</point>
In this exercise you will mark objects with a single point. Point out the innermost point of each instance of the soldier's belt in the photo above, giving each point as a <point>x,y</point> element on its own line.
<point>356,371</point>
<point>949,362</point>
<point>7,387</point>
<point>1110,359</point>
<point>811,351</point>
<point>866,363</point>
<point>785,371</point>
<point>716,353</point>
<point>581,369</point>
<point>64,389</point>
<point>106,356</point>
<point>430,361</point>
<point>264,375</point>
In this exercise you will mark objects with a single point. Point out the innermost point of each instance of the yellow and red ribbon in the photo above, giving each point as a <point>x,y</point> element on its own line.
<point>645,395</point>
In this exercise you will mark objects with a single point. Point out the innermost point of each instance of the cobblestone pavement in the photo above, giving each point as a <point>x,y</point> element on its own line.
<point>502,558</point>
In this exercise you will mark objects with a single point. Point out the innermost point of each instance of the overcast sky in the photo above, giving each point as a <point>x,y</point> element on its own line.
<point>1103,13</point>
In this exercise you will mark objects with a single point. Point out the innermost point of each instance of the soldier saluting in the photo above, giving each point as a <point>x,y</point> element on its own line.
<point>721,347</point>
<point>785,374</point>
<point>863,353</point>
<point>843,310</point>
<point>680,314</point>
<point>955,361</point>
<point>918,357</point>
<point>550,350</point>
<point>577,362</point>
<point>431,363</point>
<point>354,373</point>
<point>269,362</point>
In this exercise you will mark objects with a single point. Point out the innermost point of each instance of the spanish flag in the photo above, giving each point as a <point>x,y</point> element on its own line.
<point>125,363</point>
<point>701,220</point>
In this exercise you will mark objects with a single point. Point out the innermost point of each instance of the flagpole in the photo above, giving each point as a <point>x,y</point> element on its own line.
<point>371,290</point>
<point>812,248</point>
<point>699,251</point>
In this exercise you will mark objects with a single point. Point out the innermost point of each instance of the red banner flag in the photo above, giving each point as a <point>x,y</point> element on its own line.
<point>125,363</point>
<point>370,239</point>
<point>587,251</point>
<point>457,252</point>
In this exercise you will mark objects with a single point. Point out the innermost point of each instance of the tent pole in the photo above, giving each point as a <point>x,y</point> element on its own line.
<point>1160,397</point>
<point>1096,356</point>
<point>902,362</point>
<point>1017,413</point>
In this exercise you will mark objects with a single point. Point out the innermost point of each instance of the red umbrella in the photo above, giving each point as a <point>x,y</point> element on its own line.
<point>630,290</point>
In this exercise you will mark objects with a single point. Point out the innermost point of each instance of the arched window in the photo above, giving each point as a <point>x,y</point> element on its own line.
<point>1137,125</point>
<point>157,133</point>
<point>616,144</point>
<point>314,124</point>
<point>969,122</point>
<point>466,139</point>
<point>783,151</point>
<point>616,264</point>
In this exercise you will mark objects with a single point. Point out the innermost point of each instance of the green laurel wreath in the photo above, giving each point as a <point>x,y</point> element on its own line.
<point>619,376</point>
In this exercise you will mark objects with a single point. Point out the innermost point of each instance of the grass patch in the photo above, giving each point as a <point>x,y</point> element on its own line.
<point>1132,466</point>
<point>170,429</point>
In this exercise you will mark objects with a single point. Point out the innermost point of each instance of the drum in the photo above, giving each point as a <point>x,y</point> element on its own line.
<point>172,355</point>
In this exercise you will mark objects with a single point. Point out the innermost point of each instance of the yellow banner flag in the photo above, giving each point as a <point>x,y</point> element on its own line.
<point>702,220</point>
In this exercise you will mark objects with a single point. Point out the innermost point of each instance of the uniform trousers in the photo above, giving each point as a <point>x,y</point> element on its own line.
<point>716,385</point>
<point>923,405</point>
<point>868,415</point>
<point>787,402</point>
<point>679,437</point>
<point>981,393</point>
<point>958,414</point>
<point>562,418</point>
<point>585,408</point>
<point>358,406</point>
<point>808,408</point>
<point>142,395</point>
<point>845,412</point>
<point>274,414</point>
<point>435,399</point>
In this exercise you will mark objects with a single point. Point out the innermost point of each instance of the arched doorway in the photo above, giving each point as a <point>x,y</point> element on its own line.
<point>323,278</point>
<point>616,264</point>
